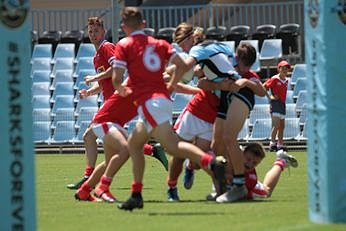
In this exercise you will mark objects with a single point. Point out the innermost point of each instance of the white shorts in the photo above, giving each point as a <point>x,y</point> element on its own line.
<point>102,129</point>
<point>190,127</point>
<point>259,191</point>
<point>154,112</point>
<point>279,115</point>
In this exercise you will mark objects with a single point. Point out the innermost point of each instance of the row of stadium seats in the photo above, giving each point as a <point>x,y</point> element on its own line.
<point>69,131</point>
<point>288,33</point>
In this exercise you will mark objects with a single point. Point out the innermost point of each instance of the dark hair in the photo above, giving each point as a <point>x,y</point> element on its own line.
<point>131,16</point>
<point>247,54</point>
<point>95,21</point>
<point>256,149</point>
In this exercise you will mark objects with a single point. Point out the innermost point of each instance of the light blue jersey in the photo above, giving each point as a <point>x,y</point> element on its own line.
<point>216,59</point>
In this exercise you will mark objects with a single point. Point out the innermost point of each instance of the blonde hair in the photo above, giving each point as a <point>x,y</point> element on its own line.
<point>198,35</point>
<point>183,31</point>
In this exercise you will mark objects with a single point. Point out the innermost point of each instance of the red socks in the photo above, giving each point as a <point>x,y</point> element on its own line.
<point>205,160</point>
<point>148,149</point>
<point>136,187</point>
<point>281,163</point>
<point>88,171</point>
<point>172,183</point>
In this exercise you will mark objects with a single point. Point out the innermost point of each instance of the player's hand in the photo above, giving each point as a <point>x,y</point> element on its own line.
<point>88,79</point>
<point>124,91</point>
<point>83,93</point>
<point>205,84</point>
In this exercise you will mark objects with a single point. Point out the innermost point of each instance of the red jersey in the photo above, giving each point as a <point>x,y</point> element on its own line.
<point>278,87</point>
<point>145,59</point>
<point>204,105</point>
<point>104,59</point>
<point>251,76</point>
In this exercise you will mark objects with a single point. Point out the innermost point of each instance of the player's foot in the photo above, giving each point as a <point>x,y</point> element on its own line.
<point>235,193</point>
<point>189,176</point>
<point>289,159</point>
<point>211,196</point>
<point>273,148</point>
<point>135,201</point>
<point>105,195</point>
<point>78,184</point>
<point>160,154</point>
<point>172,194</point>
<point>217,166</point>
<point>79,196</point>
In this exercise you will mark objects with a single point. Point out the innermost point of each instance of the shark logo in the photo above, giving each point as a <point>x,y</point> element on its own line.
<point>313,12</point>
<point>340,9</point>
<point>13,12</point>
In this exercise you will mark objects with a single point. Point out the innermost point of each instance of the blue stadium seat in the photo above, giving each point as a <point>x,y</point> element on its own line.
<point>85,50</point>
<point>62,76</point>
<point>40,88</point>
<point>271,49</point>
<point>230,44</point>
<point>41,114</point>
<point>82,126</point>
<point>40,64</point>
<point>62,88</point>
<point>303,115</point>
<point>64,50</point>
<point>259,111</point>
<point>261,129</point>
<point>62,64</point>
<point>261,100</point>
<point>64,132</point>
<point>289,96</point>
<point>42,51</point>
<point>63,114</point>
<point>292,128</point>
<point>90,101</point>
<point>299,71</point>
<point>41,76</point>
<point>85,114</point>
<point>80,76</point>
<point>41,132</point>
<point>244,133</point>
<point>300,86</point>
<point>41,101</point>
<point>63,101</point>
<point>291,110</point>
<point>301,100</point>
<point>83,63</point>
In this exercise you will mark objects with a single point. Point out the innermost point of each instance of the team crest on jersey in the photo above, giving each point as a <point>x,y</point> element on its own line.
<point>313,12</point>
<point>340,9</point>
<point>13,13</point>
<point>100,69</point>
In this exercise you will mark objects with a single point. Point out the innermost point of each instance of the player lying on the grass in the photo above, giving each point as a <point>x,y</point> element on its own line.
<point>145,59</point>
<point>253,155</point>
<point>103,59</point>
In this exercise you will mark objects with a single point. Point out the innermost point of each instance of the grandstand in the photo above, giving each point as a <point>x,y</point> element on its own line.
<point>62,55</point>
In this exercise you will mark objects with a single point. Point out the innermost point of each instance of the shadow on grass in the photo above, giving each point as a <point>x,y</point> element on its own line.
<point>185,213</point>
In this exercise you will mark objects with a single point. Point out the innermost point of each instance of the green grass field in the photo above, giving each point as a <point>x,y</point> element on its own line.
<point>58,210</point>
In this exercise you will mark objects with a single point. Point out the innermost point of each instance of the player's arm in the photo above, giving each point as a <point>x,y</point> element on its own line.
<point>103,75</point>
<point>187,89</point>
<point>182,66</point>
<point>117,80</point>
<point>93,90</point>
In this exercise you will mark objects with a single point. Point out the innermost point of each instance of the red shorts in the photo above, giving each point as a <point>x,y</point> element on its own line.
<point>116,109</point>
